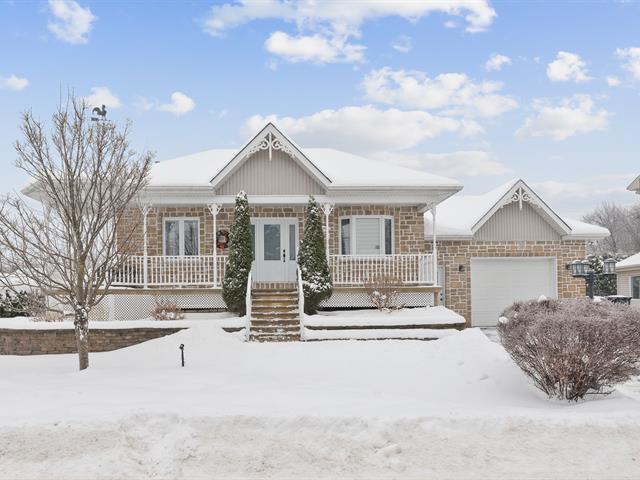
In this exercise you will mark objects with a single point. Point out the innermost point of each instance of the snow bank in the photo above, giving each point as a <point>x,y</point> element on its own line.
<point>449,408</point>
<point>408,316</point>
<point>379,334</point>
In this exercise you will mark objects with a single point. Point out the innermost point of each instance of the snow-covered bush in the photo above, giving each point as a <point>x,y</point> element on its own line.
<point>383,291</point>
<point>234,285</point>
<point>166,310</point>
<point>312,260</point>
<point>572,348</point>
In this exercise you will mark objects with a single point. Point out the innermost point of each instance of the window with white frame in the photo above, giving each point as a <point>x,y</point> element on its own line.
<point>366,235</point>
<point>181,236</point>
<point>635,287</point>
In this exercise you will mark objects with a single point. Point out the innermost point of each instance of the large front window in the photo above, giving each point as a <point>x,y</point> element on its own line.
<point>181,236</point>
<point>366,235</point>
<point>635,287</point>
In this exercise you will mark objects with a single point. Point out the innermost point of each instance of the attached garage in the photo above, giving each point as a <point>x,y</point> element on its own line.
<point>498,282</point>
<point>505,245</point>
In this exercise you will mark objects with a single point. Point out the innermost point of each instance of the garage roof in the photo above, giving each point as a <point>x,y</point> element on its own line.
<point>461,216</point>
<point>629,263</point>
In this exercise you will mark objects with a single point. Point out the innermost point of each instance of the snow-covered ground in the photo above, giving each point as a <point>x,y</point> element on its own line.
<point>452,408</point>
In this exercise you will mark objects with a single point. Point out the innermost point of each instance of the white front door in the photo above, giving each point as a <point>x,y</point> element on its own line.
<point>276,249</point>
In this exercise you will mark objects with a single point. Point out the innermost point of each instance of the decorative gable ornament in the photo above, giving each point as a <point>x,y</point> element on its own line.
<point>519,196</point>
<point>270,142</point>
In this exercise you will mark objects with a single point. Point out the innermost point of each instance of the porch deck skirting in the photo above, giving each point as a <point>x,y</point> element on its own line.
<point>208,270</point>
<point>136,303</point>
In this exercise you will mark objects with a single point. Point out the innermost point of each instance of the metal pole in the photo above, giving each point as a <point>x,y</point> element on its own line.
<point>590,279</point>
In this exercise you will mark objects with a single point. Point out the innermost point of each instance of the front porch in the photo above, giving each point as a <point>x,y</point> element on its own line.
<point>207,271</point>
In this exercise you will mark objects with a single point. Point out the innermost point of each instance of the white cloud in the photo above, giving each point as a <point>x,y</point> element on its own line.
<point>464,163</point>
<point>571,116</point>
<point>496,62</point>
<point>554,189</point>
<point>325,26</point>
<point>452,93</point>
<point>613,81</point>
<point>402,44</point>
<point>631,59</point>
<point>313,48</point>
<point>568,67</point>
<point>360,128</point>
<point>343,16</point>
<point>72,22</point>
<point>102,96</point>
<point>179,105</point>
<point>13,82</point>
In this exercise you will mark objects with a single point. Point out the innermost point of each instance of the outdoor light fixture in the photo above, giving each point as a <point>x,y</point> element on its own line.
<point>609,267</point>
<point>582,268</point>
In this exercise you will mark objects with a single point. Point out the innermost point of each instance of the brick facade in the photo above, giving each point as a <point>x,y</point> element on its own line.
<point>456,256</point>
<point>408,224</point>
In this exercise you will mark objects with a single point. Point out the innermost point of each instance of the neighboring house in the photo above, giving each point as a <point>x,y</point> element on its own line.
<point>505,245</point>
<point>628,270</point>
<point>374,211</point>
<point>628,278</point>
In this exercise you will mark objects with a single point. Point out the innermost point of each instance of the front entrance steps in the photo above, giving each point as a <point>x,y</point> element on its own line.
<point>274,314</point>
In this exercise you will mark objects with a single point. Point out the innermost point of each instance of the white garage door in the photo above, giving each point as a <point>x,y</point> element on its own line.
<point>498,282</point>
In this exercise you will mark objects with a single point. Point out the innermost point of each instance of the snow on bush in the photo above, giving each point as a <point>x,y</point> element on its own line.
<point>383,291</point>
<point>572,348</point>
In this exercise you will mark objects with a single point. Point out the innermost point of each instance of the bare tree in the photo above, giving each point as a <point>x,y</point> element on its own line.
<point>86,177</point>
<point>623,221</point>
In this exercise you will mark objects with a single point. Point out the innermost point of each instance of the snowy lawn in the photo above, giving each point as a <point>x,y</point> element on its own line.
<point>452,408</point>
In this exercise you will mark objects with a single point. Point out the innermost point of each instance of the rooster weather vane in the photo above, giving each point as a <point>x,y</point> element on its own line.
<point>99,114</point>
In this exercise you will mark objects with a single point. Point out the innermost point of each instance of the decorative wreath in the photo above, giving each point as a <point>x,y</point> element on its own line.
<point>222,239</point>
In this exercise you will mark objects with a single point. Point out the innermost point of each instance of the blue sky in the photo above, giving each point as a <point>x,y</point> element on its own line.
<point>559,104</point>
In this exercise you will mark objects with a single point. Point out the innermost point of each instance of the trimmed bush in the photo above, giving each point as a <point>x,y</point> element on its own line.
<point>573,348</point>
<point>383,291</point>
<point>234,284</point>
<point>312,260</point>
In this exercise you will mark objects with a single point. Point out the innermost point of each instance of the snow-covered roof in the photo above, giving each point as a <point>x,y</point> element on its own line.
<point>635,185</point>
<point>460,216</point>
<point>629,263</point>
<point>343,170</point>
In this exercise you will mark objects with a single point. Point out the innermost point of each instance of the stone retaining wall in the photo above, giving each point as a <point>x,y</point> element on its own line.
<point>46,341</point>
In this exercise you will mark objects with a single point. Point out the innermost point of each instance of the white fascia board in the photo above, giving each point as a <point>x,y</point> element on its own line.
<point>241,156</point>
<point>552,216</point>
<point>635,185</point>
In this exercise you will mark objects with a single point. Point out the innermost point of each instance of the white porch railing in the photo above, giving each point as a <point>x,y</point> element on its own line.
<point>198,271</point>
<point>171,271</point>
<point>410,268</point>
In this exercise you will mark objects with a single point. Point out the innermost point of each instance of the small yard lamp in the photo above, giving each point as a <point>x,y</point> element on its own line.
<point>582,268</point>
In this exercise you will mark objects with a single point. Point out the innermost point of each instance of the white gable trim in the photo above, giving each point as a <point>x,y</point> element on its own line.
<point>521,193</point>
<point>270,138</point>
<point>635,185</point>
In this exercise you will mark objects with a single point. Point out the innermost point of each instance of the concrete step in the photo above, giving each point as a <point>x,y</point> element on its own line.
<point>291,315</point>
<point>275,300</point>
<point>276,329</point>
<point>278,321</point>
<point>274,294</point>
<point>267,307</point>
<point>275,338</point>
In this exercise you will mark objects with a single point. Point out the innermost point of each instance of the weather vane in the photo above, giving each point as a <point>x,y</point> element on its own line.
<point>99,114</point>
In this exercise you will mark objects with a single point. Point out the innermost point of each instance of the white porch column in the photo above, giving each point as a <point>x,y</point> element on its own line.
<point>146,208</point>
<point>327,208</point>
<point>215,208</point>
<point>434,248</point>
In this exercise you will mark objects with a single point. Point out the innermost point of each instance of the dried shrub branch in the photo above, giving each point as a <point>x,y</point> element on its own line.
<point>573,348</point>
<point>384,291</point>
